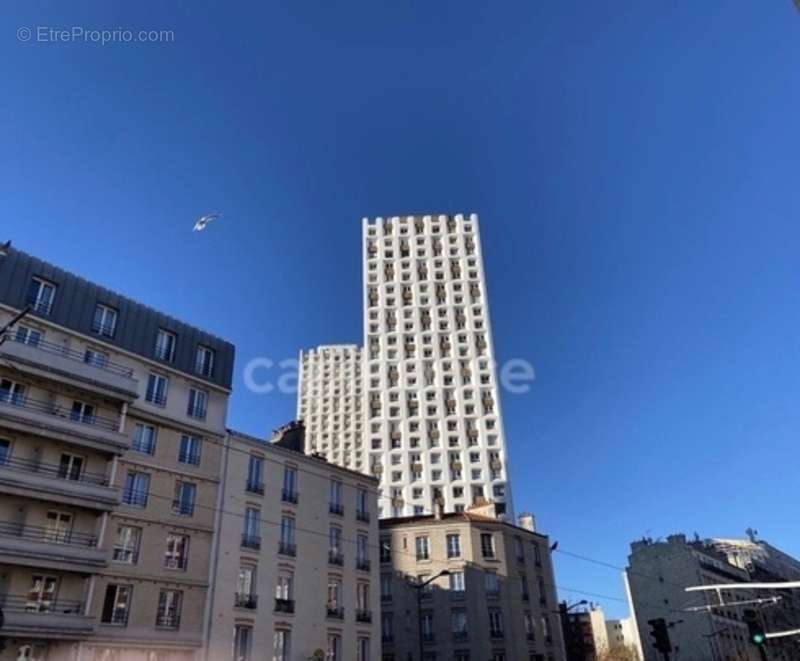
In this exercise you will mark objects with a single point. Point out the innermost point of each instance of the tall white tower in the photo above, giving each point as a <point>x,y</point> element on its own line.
<point>432,419</point>
<point>329,402</point>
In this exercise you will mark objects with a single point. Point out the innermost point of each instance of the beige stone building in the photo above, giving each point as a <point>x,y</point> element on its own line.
<point>111,429</point>
<point>491,593</point>
<point>296,562</point>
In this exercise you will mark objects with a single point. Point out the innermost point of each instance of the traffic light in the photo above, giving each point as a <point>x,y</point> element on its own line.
<point>757,634</point>
<point>660,635</point>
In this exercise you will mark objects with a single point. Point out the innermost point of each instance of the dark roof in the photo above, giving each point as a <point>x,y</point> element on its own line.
<point>137,324</point>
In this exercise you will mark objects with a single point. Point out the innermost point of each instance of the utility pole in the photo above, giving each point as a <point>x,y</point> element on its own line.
<point>419,587</point>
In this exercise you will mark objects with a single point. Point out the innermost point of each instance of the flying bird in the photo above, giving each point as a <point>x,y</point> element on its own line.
<point>4,249</point>
<point>203,221</point>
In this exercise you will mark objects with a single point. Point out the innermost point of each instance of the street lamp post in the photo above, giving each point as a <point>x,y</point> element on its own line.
<point>11,323</point>
<point>574,647</point>
<point>419,587</point>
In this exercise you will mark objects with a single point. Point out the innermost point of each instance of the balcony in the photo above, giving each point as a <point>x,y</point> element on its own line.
<point>288,496</point>
<point>460,636</point>
<point>284,605</point>
<point>34,546</point>
<point>54,483</point>
<point>363,616</point>
<point>60,423</point>
<point>334,612</point>
<point>335,558</point>
<point>496,634</point>
<point>248,601</point>
<point>428,637</point>
<point>250,541</point>
<point>362,564</point>
<point>255,487</point>
<point>362,516</point>
<point>287,548</point>
<point>59,619</point>
<point>171,620</point>
<point>336,508</point>
<point>56,362</point>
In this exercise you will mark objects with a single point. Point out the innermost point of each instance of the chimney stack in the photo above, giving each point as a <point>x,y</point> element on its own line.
<point>527,521</point>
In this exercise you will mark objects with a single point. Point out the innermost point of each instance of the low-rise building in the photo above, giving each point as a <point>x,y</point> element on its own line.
<point>295,568</point>
<point>584,630</point>
<point>622,634</point>
<point>467,586</point>
<point>112,418</point>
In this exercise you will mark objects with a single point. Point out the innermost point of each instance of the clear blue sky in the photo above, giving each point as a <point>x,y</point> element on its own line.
<point>635,165</point>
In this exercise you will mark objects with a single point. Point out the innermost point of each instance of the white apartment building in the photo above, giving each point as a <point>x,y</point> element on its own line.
<point>433,427</point>
<point>330,403</point>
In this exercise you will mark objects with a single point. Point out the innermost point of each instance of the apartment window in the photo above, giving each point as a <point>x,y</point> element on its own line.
<point>287,543</point>
<point>487,545</point>
<point>42,593</point>
<point>83,412</point>
<point>289,484</point>
<point>59,524</point>
<point>336,497</point>
<point>255,474</point>
<point>386,549</point>
<point>537,554</point>
<point>189,452</point>
<point>156,389</point>
<point>457,581</point>
<point>137,487</point>
<point>454,545</point>
<point>126,546</point>
<point>334,647</point>
<point>335,542</point>
<point>284,588</point>
<point>386,587</point>
<point>5,451</point>
<point>29,336</point>
<point>176,553</point>
<point>423,548</point>
<point>495,623</point>
<point>95,358</point>
<point>542,592</point>
<point>70,467</point>
<point>204,361</point>
<point>334,593</point>
<point>530,627</point>
<point>458,622</point>
<point>165,345</point>
<point>168,615</point>
<point>242,642</point>
<point>251,529</point>
<point>362,508</point>
<point>117,604</point>
<point>491,583</point>
<point>362,552</point>
<point>185,495</point>
<point>144,438</point>
<point>198,403</point>
<point>12,392</point>
<point>281,646</point>
<point>41,295</point>
<point>104,321</point>
<point>524,588</point>
<point>387,627</point>
<point>362,649</point>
